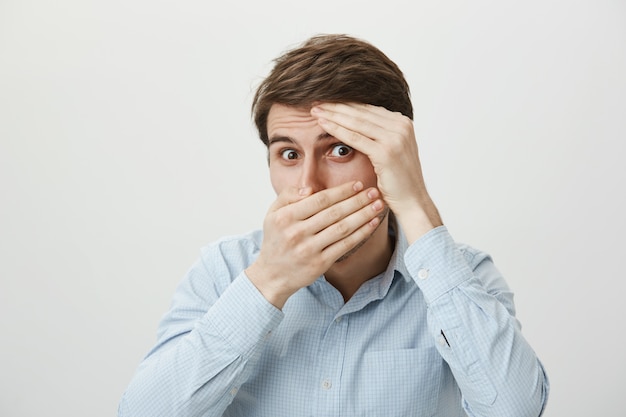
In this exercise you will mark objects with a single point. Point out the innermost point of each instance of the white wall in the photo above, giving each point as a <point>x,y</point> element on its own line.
<point>126,145</point>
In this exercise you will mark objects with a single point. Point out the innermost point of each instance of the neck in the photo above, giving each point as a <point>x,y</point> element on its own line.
<point>370,260</point>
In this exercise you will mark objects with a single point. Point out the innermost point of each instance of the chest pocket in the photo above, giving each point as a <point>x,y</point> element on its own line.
<point>398,383</point>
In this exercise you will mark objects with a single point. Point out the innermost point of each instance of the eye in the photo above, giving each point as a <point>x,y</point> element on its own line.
<point>289,154</point>
<point>340,150</point>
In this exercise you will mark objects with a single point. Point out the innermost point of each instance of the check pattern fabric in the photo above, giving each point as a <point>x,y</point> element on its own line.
<point>434,335</point>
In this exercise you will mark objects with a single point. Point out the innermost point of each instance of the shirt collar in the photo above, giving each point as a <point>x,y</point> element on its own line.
<point>378,287</point>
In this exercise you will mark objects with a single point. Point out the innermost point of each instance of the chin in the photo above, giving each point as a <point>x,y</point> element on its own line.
<point>355,249</point>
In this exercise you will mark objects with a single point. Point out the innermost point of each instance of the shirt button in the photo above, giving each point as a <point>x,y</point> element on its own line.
<point>423,273</point>
<point>326,384</point>
<point>234,391</point>
<point>338,319</point>
<point>442,341</point>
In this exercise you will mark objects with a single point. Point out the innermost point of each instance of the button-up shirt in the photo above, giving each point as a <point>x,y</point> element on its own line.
<point>434,335</point>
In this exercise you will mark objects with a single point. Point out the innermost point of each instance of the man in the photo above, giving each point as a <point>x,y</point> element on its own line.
<point>354,300</point>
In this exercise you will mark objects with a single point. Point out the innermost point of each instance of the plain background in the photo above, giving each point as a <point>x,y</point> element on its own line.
<point>126,145</point>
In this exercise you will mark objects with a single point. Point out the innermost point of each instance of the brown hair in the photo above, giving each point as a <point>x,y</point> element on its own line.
<point>332,68</point>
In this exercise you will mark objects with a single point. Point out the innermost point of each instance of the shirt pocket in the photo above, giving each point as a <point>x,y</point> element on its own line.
<point>399,383</point>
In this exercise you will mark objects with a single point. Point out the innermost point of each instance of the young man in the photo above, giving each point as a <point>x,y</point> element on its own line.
<point>354,300</point>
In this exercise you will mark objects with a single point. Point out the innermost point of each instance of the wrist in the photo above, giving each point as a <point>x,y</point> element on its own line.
<point>418,218</point>
<point>268,285</point>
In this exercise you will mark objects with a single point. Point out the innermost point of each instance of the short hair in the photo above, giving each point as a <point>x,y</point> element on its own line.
<point>331,68</point>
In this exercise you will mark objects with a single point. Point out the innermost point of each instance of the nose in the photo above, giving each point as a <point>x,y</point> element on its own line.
<point>312,175</point>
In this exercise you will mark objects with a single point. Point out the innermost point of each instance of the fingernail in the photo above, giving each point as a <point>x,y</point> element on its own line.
<point>304,190</point>
<point>358,186</point>
<point>372,194</point>
<point>377,205</point>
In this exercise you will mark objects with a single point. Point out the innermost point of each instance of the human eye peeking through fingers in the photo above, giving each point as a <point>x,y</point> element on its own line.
<point>341,150</point>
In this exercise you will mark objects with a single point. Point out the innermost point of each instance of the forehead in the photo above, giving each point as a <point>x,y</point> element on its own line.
<point>287,120</point>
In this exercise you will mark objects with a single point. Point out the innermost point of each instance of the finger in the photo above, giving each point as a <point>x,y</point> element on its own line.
<point>351,125</point>
<point>339,211</point>
<point>372,122</point>
<point>321,200</point>
<point>357,117</point>
<point>364,114</point>
<point>361,224</point>
<point>290,195</point>
<point>352,138</point>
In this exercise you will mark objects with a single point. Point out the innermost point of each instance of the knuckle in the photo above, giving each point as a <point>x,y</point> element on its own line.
<point>342,229</point>
<point>293,235</point>
<point>300,232</point>
<point>333,213</point>
<point>355,137</point>
<point>283,218</point>
<point>290,239</point>
<point>322,200</point>
<point>302,250</point>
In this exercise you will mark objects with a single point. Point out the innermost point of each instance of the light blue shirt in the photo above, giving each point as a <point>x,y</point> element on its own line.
<point>434,335</point>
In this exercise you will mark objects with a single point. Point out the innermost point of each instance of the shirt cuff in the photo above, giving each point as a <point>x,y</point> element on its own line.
<point>242,316</point>
<point>436,264</point>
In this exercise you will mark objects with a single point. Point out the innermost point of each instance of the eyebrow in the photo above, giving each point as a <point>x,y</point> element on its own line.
<point>277,139</point>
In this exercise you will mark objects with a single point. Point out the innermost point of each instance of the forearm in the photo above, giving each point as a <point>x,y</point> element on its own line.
<point>471,318</point>
<point>199,372</point>
<point>496,369</point>
<point>417,216</point>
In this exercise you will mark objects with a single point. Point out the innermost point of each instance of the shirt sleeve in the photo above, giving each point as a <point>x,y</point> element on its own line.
<point>208,344</point>
<point>471,317</point>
